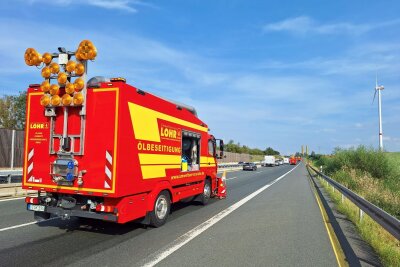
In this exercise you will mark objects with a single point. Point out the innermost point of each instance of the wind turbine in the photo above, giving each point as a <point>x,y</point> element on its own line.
<point>379,89</point>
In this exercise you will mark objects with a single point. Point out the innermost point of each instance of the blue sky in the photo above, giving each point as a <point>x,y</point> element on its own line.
<point>263,73</point>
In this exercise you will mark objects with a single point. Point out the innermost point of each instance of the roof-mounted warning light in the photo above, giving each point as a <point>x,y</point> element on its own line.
<point>68,73</point>
<point>118,79</point>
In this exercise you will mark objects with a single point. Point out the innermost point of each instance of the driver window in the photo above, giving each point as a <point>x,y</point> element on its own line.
<point>190,151</point>
<point>211,148</point>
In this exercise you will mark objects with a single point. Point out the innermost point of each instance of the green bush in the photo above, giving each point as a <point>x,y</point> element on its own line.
<point>362,159</point>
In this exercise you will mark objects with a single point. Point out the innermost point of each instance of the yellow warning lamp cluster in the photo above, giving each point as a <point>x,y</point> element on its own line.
<point>47,58</point>
<point>62,78</point>
<point>32,57</point>
<point>78,99</point>
<point>67,72</point>
<point>55,100</point>
<point>86,51</point>
<point>54,68</point>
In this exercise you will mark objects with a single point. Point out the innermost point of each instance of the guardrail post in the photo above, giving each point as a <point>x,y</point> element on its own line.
<point>9,179</point>
<point>361,214</point>
<point>320,168</point>
<point>342,198</point>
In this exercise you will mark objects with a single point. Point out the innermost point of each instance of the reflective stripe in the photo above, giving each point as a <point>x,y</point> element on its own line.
<point>30,167</point>
<point>108,157</point>
<point>108,173</point>
<point>106,185</point>
<point>30,155</point>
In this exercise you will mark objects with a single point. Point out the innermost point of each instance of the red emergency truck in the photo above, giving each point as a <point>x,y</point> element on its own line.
<point>109,150</point>
<point>292,161</point>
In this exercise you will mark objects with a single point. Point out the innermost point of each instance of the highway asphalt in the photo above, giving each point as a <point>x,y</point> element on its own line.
<point>268,219</point>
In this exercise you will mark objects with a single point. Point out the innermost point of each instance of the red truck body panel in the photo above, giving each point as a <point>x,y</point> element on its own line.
<point>132,148</point>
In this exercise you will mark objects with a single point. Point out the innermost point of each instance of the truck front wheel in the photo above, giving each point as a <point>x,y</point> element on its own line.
<point>162,207</point>
<point>205,197</point>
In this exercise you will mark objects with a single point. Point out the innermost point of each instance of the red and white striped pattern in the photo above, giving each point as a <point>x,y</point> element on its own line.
<point>108,168</point>
<point>30,166</point>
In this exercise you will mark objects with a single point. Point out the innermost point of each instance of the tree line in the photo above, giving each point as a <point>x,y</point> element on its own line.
<point>243,149</point>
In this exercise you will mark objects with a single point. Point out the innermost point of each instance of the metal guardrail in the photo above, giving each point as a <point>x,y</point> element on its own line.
<point>229,165</point>
<point>10,178</point>
<point>387,221</point>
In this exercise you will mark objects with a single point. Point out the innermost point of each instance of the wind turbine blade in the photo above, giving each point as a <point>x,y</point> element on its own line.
<point>374,97</point>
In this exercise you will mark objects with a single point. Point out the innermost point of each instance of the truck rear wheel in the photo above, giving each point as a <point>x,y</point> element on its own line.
<point>205,196</point>
<point>162,207</point>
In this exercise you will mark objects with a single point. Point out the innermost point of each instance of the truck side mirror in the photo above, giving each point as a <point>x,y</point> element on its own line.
<point>221,149</point>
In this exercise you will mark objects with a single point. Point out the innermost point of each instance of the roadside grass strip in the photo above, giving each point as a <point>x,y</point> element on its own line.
<point>385,245</point>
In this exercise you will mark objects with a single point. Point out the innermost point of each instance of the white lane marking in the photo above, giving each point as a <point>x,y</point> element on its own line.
<point>231,178</point>
<point>161,254</point>
<point>9,199</point>
<point>258,172</point>
<point>25,224</point>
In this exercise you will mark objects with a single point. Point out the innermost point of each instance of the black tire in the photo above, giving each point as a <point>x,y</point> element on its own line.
<point>162,208</point>
<point>206,195</point>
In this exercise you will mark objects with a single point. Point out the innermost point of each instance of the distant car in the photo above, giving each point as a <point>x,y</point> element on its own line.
<point>249,166</point>
<point>240,162</point>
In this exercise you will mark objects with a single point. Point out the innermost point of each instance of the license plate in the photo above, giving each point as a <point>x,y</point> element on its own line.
<point>36,207</point>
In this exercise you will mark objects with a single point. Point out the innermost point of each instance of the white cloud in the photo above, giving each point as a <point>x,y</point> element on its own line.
<point>303,25</point>
<point>361,60</point>
<point>123,5</point>
<point>117,4</point>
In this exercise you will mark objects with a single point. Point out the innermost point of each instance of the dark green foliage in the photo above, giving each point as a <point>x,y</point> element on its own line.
<point>237,148</point>
<point>271,152</point>
<point>12,111</point>
<point>362,159</point>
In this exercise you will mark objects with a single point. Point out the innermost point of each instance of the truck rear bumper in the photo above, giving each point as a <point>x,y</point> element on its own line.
<point>66,214</point>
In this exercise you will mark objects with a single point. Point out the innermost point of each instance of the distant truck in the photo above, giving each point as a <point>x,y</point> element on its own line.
<point>286,160</point>
<point>269,161</point>
<point>293,161</point>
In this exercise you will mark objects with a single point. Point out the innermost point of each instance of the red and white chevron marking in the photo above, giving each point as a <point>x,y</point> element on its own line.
<point>30,166</point>
<point>108,168</point>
